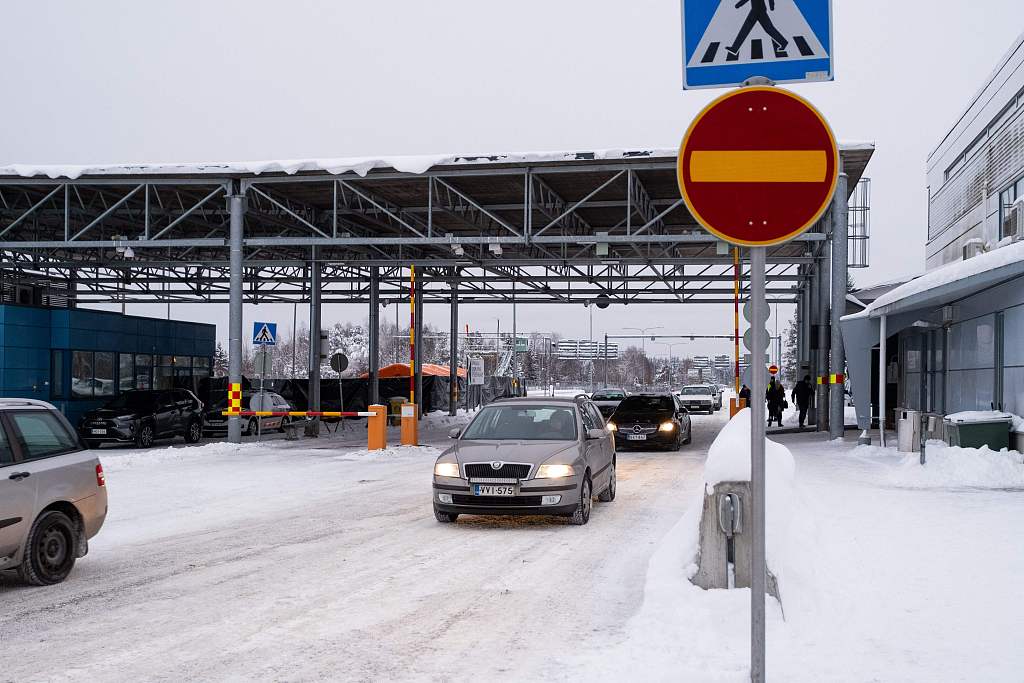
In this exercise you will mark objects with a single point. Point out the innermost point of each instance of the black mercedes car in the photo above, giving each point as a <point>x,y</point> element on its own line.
<point>649,420</point>
<point>141,417</point>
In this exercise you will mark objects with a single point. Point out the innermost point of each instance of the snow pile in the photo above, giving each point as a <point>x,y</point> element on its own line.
<point>729,460</point>
<point>1016,421</point>
<point>428,452</point>
<point>115,460</point>
<point>955,467</point>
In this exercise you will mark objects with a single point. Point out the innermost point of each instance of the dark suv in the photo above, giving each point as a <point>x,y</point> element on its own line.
<point>140,417</point>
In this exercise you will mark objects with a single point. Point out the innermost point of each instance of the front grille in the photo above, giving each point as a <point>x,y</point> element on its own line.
<point>497,501</point>
<point>631,429</point>
<point>508,470</point>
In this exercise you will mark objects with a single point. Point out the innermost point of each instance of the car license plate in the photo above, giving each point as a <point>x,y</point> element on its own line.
<point>636,437</point>
<point>490,490</point>
<point>98,431</point>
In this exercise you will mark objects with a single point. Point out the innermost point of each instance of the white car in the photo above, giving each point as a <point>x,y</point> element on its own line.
<point>698,398</point>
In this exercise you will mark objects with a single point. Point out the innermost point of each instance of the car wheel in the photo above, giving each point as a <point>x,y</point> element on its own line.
<point>144,437</point>
<point>285,421</point>
<point>251,427</point>
<point>193,432</point>
<point>51,550</point>
<point>689,435</point>
<point>581,515</point>
<point>445,517</point>
<point>679,440</point>
<point>608,495</point>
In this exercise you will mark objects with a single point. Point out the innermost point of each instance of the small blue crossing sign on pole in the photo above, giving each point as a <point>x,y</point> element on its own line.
<point>727,42</point>
<point>264,334</point>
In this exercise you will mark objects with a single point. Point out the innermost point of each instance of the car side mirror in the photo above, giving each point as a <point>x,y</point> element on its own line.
<point>596,433</point>
<point>454,432</point>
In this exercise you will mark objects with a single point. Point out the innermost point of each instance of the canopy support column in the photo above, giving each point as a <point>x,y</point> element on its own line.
<point>453,359</point>
<point>315,271</point>
<point>840,246</point>
<point>418,331</point>
<point>236,203</point>
<point>374,336</point>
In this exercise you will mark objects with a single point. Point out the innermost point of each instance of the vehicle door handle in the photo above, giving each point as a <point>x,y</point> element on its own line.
<point>18,476</point>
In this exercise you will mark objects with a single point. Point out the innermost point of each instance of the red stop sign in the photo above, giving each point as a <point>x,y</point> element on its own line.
<point>773,370</point>
<point>758,166</point>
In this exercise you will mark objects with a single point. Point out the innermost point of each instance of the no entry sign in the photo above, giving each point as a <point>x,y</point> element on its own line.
<point>758,166</point>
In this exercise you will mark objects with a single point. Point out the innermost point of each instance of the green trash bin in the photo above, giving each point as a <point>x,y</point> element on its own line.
<point>975,432</point>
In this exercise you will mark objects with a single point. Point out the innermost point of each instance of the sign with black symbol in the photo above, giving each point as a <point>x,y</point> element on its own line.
<point>727,42</point>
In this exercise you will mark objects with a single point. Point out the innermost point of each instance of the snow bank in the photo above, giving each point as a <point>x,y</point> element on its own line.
<point>954,467</point>
<point>115,460</point>
<point>1016,421</point>
<point>392,452</point>
<point>729,456</point>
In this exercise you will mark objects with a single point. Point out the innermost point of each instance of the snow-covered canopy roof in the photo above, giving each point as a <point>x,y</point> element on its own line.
<point>852,152</point>
<point>949,282</point>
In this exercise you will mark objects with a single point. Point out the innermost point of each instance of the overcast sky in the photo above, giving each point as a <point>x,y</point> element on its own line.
<point>97,82</point>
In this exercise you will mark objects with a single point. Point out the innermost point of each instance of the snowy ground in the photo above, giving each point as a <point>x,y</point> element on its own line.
<point>292,561</point>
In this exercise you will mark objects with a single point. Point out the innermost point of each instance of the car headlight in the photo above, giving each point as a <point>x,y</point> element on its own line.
<point>667,426</point>
<point>611,426</point>
<point>447,469</point>
<point>554,471</point>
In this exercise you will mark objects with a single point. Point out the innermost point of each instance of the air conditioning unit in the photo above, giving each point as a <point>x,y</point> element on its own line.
<point>1013,221</point>
<point>973,247</point>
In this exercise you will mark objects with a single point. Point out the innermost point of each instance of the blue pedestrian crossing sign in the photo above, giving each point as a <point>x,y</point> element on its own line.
<point>727,42</point>
<point>264,334</point>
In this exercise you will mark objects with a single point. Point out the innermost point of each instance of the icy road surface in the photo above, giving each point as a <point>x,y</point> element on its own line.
<point>284,562</point>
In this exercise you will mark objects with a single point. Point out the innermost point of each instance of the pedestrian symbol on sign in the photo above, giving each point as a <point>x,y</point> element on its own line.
<point>264,334</point>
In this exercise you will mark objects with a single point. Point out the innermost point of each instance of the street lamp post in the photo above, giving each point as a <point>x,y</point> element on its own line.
<point>643,343</point>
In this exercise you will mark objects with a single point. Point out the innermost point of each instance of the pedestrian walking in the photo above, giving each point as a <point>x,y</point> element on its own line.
<point>775,396</point>
<point>745,394</point>
<point>801,396</point>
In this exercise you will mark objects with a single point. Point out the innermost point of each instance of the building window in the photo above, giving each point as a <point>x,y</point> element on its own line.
<point>104,365</point>
<point>200,366</point>
<point>1006,199</point>
<point>972,364</point>
<point>126,372</point>
<point>57,373</point>
<point>143,371</point>
<point>81,374</point>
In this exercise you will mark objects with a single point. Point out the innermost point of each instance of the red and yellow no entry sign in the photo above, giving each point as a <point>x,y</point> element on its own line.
<point>758,166</point>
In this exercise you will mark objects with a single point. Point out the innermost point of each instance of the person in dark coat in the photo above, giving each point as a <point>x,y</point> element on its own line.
<point>775,395</point>
<point>801,396</point>
<point>745,394</point>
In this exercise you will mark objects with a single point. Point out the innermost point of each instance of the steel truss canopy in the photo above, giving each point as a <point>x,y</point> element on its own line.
<point>538,228</point>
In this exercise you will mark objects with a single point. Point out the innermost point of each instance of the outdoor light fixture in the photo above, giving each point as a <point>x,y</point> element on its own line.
<point>458,250</point>
<point>129,252</point>
<point>494,248</point>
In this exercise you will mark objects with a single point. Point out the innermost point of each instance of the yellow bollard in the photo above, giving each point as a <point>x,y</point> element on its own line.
<point>410,425</point>
<point>736,405</point>
<point>377,428</point>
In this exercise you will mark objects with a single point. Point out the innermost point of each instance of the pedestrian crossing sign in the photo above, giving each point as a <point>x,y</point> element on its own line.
<point>728,42</point>
<point>264,334</point>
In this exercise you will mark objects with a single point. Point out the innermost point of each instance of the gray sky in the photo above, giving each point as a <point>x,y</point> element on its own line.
<point>102,82</point>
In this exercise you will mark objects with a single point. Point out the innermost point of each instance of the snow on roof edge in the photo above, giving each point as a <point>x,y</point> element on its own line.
<point>337,166</point>
<point>947,274</point>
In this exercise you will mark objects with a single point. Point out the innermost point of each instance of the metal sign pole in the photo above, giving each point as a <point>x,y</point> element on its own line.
<point>757,435</point>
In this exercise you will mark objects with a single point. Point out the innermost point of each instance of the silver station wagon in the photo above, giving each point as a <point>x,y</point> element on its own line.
<point>527,456</point>
<point>53,494</point>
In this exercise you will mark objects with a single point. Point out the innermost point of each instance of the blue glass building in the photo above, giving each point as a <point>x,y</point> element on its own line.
<point>79,359</point>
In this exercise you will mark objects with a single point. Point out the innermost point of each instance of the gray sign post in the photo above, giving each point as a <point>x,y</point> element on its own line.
<point>759,339</point>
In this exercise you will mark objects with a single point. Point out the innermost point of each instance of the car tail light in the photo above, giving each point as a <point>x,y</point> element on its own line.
<point>101,479</point>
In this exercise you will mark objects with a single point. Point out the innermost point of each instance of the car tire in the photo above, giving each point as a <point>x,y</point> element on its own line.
<point>679,441</point>
<point>285,421</point>
<point>251,427</point>
<point>689,436</point>
<point>144,437</point>
<point>445,517</point>
<point>193,432</point>
<point>608,495</point>
<point>51,550</point>
<point>581,515</point>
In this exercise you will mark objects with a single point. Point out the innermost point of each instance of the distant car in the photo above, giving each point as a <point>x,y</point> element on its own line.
<point>141,417</point>
<point>53,495</point>
<point>217,423</point>
<point>527,456</point>
<point>698,398</point>
<point>607,400</point>
<point>651,419</point>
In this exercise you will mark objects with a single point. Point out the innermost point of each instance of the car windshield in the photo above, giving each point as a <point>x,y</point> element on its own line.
<point>695,391</point>
<point>526,423</point>
<point>132,400</point>
<point>608,396</point>
<point>643,404</point>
